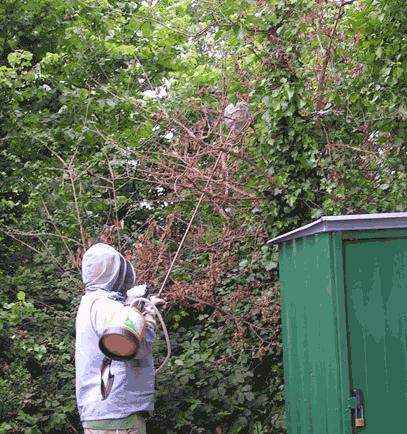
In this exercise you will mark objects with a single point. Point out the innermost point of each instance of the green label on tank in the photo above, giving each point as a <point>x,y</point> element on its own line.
<point>130,324</point>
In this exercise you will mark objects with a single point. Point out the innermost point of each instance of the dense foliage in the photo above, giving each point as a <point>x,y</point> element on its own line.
<point>112,120</point>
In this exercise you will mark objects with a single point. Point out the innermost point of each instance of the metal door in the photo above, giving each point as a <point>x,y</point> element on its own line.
<point>376,296</point>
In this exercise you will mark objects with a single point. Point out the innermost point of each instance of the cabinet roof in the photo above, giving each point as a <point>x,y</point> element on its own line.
<point>357,222</point>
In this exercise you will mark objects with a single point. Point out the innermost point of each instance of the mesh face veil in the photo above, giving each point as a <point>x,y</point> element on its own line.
<point>104,268</point>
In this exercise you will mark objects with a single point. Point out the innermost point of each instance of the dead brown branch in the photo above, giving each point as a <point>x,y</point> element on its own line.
<point>322,79</point>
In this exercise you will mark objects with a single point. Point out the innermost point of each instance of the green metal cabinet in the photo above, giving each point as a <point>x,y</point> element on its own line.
<point>344,317</point>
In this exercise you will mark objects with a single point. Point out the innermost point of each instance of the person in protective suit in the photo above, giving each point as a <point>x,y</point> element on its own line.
<point>118,401</point>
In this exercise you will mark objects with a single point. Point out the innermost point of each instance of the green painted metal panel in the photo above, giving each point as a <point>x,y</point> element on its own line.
<point>376,293</point>
<point>314,336</point>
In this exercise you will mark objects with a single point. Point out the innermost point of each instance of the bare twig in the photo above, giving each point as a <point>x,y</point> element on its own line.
<point>70,171</point>
<point>59,234</point>
<point>115,208</point>
<point>34,249</point>
<point>328,55</point>
<point>69,168</point>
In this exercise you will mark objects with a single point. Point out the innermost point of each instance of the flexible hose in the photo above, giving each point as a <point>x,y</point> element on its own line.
<point>164,328</point>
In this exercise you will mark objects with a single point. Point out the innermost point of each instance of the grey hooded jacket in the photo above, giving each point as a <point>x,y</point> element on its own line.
<point>107,276</point>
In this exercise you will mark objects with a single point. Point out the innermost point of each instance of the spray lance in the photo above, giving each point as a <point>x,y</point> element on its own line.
<point>126,327</point>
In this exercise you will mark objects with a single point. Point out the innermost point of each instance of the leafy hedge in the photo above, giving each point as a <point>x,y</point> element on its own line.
<point>111,120</point>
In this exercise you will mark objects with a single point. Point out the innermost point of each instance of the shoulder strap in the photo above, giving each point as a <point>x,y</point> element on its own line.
<point>106,377</point>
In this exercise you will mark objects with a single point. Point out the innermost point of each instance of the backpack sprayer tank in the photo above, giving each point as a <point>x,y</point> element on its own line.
<point>125,328</point>
<point>123,334</point>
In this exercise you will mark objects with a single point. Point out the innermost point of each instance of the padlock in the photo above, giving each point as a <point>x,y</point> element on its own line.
<point>359,409</point>
<point>359,422</point>
<point>359,419</point>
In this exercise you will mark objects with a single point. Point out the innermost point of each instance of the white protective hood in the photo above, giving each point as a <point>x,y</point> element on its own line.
<point>104,268</point>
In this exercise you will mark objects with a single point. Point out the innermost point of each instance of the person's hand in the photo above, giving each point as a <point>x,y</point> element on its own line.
<point>149,311</point>
<point>158,302</point>
<point>136,291</point>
